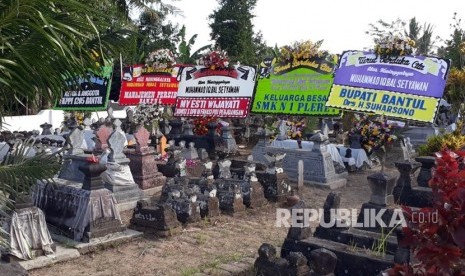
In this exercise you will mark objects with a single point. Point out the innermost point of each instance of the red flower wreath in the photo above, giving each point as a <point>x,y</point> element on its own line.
<point>200,125</point>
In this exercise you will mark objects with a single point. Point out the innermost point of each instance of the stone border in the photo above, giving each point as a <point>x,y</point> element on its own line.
<point>68,249</point>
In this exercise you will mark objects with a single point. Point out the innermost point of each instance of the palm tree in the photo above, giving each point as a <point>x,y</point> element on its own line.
<point>43,43</point>
<point>423,37</point>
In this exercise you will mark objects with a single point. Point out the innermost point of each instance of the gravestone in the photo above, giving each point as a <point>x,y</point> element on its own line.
<point>275,181</point>
<point>169,169</point>
<point>118,177</point>
<point>89,135</point>
<point>181,166</point>
<point>282,128</point>
<point>224,169</point>
<point>341,247</point>
<point>28,234</point>
<point>208,170</point>
<point>159,219</point>
<point>74,157</point>
<point>228,142</point>
<point>46,129</point>
<point>230,195</point>
<point>191,152</point>
<point>80,213</point>
<point>143,165</point>
<point>252,190</point>
<point>183,199</point>
<point>176,129</point>
<point>404,193</point>
<point>117,127</point>
<point>102,135</point>
<point>4,149</point>
<point>109,119</point>
<point>319,167</point>
<point>269,264</point>
<point>203,154</point>
<point>188,129</point>
<point>425,174</point>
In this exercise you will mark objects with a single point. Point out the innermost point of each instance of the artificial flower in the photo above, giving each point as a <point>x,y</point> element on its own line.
<point>374,131</point>
<point>161,58</point>
<point>394,45</point>
<point>216,60</point>
<point>200,125</point>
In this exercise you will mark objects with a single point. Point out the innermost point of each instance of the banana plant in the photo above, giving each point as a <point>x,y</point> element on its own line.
<point>185,47</point>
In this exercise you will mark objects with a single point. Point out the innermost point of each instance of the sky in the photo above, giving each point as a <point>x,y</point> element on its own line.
<point>340,23</point>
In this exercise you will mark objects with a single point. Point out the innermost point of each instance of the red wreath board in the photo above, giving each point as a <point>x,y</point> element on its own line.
<point>149,89</point>
<point>218,107</point>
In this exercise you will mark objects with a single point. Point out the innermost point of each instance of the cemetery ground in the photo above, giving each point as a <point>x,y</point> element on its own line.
<point>213,247</point>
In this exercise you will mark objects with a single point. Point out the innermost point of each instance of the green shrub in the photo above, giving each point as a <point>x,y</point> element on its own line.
<point>451,141</point>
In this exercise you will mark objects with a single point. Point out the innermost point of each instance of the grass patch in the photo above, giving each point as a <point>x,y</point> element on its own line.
<point>201,238</point>
<point>189,271</point>
<point>226,259</point>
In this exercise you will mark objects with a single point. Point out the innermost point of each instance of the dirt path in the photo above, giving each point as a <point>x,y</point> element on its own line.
<point>205,245</point>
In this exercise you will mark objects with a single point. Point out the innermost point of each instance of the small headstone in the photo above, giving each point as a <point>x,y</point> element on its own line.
<point>181,166</point>
<point>208,170</point>
<point>116,143</point>
<point>323,261</point>
<point>188,129</point>
<point>117,125</point>
<point>249,173</point>
<point>300,182</point>
<point>319,144</point>
<point>87,123</point>
<point>142,162</point>
<point>325,130</point>
<point>381,186</point>
<point>102,135</point>
<point>275,163</point>
<point>224,166</point>
<point>229,142</point>
<point>46,129</point>
<point>410,149</point>
<point>109,117</point>
<point>142,136</point>
<point>332,202</point>
<point>282,128</point>
<point>203,154</point>
<point>268,264</point>
<point>75,140</point>
<point>191,152</point>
